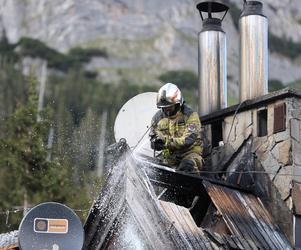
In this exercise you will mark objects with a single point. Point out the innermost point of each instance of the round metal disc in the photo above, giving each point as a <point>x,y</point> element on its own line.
<point>52,226</point>
<point>212,7</point>
<point>134,119</point>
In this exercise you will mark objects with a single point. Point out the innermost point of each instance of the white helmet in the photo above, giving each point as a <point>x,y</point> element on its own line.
<point>169,95</point>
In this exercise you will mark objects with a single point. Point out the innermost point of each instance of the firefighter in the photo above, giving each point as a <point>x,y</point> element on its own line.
<point>176,131</point>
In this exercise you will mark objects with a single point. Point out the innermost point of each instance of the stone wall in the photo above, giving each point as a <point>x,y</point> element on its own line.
<point>277,168</point>
<point>295,117</point>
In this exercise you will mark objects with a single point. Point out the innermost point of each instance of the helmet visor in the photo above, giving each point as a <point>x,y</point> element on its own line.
<point>163,103</point>
<point>171,110</point>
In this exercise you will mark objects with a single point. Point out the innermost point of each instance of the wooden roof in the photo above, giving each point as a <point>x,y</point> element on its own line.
<point>246,217</point>
<point>129,213</point>
<point>167,225</point>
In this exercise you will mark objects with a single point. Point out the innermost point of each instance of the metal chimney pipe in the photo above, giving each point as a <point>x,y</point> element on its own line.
<point>212,59</point>
<point>253,51</point>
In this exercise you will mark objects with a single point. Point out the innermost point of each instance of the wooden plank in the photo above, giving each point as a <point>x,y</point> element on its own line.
<point>279,117</point>
<point>280,236</point>
<point>174,216</point>
<point>170,214</point>
<point>266,237</point>
<point>277,235</point>
<point>180,222</point>
<point>263,225</point>
<point>248,222</point>
<point>224,207</point>
<point>193,227</point>
<point>237,242</point>
<point>268,224</point>
<point>10,247</point>
<point>229,241</point>
<point>240,219</point>
<point>154,224</point>
<point>208,243</point>
<point>188,225</point>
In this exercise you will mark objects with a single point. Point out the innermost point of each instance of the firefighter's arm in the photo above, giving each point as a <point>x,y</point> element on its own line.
<point>157,143</point>
<point>190,135</point>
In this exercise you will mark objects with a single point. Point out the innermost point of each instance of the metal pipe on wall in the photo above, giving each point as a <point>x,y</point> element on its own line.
<point>212,60</point>
<point>253,51</point>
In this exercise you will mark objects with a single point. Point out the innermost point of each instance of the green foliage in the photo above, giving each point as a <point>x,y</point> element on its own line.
<point>232,101</point>
<point>90,74</point>
<point>90,94</point>
<point>12,87</point>
<point>74,59</point>
<point>295,84</point>
<point>284,46</point>
<point>184,79</point>
<point>7,50</point>
<point>275,85</point>
<point>26,175</point>
<point>85,55</point>
<point>36,49</point>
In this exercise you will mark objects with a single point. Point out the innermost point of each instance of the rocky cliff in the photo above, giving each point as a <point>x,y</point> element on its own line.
<point>145,38</point>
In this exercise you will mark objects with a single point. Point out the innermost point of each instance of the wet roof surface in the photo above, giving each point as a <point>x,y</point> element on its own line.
<point>197,237</point>
<point>9,240</point>
<point>246,217</point>
<point>165,224</point>
<point>185,224</point>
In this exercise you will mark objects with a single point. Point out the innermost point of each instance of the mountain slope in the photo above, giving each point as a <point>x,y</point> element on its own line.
<point>146,38</point>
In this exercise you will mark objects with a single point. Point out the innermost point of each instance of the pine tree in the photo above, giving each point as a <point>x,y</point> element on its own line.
<point>25,172</point>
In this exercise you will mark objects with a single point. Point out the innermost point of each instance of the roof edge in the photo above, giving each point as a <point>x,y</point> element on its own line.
<point>249,104</point>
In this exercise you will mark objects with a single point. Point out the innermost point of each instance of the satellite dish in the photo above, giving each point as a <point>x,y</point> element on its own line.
<point>133,121</point>
<point>51,226</point>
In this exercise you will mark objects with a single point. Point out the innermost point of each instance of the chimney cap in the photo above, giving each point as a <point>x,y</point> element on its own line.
<point>212,7</point>
<point>210,24</point>
<point>252,8</point>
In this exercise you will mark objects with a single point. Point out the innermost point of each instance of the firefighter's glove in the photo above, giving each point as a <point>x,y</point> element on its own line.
<point>169,143</point>
<point>187,166</point>
<point>157,144</point>
<point>166,153</point>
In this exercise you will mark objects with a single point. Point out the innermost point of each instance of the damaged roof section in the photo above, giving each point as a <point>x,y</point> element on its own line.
<point>248,224</point>
<point>198,237</point>
<point>128,203</point>
<point>183,221</point>
<point>246,217</point>
<point>139,218</point>
<point>128,213</point>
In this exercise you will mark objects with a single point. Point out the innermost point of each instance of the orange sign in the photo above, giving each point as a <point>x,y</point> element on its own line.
<point>45,225</point>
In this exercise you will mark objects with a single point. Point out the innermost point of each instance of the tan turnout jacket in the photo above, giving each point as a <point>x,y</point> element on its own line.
<point>181,134</point>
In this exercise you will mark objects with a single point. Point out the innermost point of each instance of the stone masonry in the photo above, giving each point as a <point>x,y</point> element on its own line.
<point>276,172</point>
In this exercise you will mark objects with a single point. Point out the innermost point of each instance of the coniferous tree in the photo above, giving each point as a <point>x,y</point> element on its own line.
<point>25,171</point>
